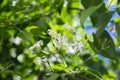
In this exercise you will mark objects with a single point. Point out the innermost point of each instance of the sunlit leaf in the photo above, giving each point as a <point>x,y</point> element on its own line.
<point>4,2</point>
<point>117,24</point>
<point>65,16</point>
<point>111,2</point>
<point>60,67</point>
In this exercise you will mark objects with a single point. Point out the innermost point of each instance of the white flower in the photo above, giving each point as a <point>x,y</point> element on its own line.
<point>17,40</point>
<point>16,77</point>
<point>50,32</point>
<point>70,50</point>
<point>38,60</point>
<point>59,41</point>
<point>76,21</point>
<point>20,58</point>
<point>76,47</point>
<point>14,3</point>
<point>81,46</point>
<point>38,44</point>
<point>67,26</point>
<point>65,4</point>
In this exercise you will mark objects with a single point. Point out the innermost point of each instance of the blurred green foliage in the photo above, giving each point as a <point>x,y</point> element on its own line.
<point>46,40</point>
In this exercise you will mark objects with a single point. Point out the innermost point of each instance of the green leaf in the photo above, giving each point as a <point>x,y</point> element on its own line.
<point>17,8</point>
<point>88,3</point>
<point>88,12</point>
<point>117,24</point>
<point>43,24</point>
<point>102,22</point>
<point>84,75</point>
<point>39,27</point>
<point>104,45</point>
<point>36,30</point>
<point>95,73</point>
<point>4,32</point>
<point>4,3</point>
<point>60,67</point>
<point>58,4</point>
<point>118,10</point>
<point>10,72</point>
<point>25,35</point>
<point>72,6</point>
<point>65,16</point>
<point>94,17</point>
<point>54,76</point>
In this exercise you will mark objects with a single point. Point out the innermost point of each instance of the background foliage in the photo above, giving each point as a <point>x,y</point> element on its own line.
<point>59,40</point>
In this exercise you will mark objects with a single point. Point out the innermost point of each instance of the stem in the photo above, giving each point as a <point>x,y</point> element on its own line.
<point>63,58</point>
<point>88,38</point>
<point>6,68</point>
<point>91,57</point>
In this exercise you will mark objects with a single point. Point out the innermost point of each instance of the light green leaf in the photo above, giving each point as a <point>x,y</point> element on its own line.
<point>117,24</point>
<point>65,16</point>
<point>60,67</point>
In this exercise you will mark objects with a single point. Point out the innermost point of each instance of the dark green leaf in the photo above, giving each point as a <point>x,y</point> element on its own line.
<point>84,75</point>
<point>39,27</point>
<point>88,3</point>
<point>54,76</point>
<point>43,24</point>
<point>104,45</point>
<point>95,73</point>
<point>102,22</point>
<point>4,31</point>
<point>37,31</point>
<point>17,8</point>
<point>25,36</point>
<point>94,17</point>
<point>86,13</point>
<point>118,10</point>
